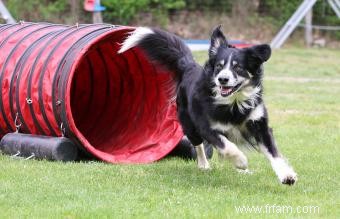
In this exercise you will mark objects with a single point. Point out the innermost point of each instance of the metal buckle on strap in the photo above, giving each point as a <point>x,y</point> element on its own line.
<point>17,125</point>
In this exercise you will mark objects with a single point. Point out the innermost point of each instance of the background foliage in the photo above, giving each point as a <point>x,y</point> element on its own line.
<point>56,11</point>
<point>281,10</point>
<point>274,12</point>
<point>124,11</point>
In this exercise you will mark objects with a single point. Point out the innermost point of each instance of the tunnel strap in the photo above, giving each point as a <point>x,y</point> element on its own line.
<point>17,124</point>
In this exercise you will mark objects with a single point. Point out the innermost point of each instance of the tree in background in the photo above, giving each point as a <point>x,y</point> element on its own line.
<point>55,11</point>
<point>247,13</point>
<point>122,12</point>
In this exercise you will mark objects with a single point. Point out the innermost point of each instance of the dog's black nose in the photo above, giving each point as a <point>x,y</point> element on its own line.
<point>223,80</point>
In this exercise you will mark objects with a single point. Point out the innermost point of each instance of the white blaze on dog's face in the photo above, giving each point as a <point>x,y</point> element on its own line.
<point>229,76</point>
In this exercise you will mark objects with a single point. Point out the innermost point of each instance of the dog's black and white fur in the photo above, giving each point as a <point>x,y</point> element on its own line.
<point>220,102</point>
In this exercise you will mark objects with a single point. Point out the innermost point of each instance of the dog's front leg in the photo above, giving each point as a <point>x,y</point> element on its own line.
<point>230,151</point>
<point>284,172</point>
<point>225,148</point>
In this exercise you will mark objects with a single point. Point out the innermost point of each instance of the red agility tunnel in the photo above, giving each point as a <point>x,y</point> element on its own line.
<point>58,79</point>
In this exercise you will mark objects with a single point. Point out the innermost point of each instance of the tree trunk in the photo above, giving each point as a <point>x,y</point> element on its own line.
<point>74,10</point>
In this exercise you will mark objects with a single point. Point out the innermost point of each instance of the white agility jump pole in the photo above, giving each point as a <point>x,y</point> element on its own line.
<point>5,14</point>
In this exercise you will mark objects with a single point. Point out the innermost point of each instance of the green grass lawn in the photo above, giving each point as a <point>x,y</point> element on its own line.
<point>302,92</point>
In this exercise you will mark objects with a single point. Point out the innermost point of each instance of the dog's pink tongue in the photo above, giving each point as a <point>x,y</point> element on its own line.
<point>225,90</point>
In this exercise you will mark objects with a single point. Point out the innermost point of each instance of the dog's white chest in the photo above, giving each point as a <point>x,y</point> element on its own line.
<point>221,127</point>
<point>233,133</point>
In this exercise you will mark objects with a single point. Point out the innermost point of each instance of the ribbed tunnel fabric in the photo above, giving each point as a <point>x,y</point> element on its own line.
<point>59,79</point>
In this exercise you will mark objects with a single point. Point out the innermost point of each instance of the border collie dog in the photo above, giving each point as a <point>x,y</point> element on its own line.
<point>220,102</point>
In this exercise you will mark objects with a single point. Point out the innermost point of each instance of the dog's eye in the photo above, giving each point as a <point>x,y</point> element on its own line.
<point>237,68</point>
<point>219,66</point>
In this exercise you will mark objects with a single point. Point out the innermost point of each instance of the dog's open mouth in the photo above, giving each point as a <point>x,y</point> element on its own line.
<point>227,90</point>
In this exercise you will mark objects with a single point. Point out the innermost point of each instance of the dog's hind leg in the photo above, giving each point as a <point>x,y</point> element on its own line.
<point>195,139</point>
<point>202,160</point>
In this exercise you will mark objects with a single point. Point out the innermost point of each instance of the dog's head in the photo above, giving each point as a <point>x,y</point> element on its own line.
<point>232,69</point>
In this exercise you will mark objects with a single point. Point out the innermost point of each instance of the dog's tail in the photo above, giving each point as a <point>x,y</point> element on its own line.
<point>165,48</point>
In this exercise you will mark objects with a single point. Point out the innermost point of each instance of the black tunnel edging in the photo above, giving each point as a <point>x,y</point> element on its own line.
<point>61,87</point>
<point>9,127</point>
<point>15,76</point>
<point>64,77</point>
<point>43,71</point>
<point>4,27</point>
<point>60,74</point>
<point>44,68</point>
<point>7,27</point>
<point>57,111</point>
<point>30,77</point>
<point>41,77</point>
<point>24,59</point>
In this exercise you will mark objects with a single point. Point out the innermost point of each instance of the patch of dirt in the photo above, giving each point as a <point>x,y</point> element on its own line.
<point>187,25</point>
<point>236,25</point>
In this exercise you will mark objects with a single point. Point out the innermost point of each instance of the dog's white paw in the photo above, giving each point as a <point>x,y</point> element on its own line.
<point>233,153</point>
<point>284,172</point>
<point>202,161</point>
<point>240,161</point>
<point>203,166</point>
<point>288,178</point>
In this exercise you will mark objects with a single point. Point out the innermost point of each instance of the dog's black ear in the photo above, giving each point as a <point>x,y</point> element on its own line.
<point>256,55</point>
<point>217,40</point>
